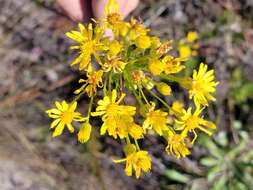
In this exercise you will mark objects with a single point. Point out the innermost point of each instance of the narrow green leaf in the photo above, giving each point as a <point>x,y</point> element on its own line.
<point>176,176</point>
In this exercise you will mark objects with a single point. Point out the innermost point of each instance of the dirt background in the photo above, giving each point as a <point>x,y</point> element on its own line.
<point>34,72</point>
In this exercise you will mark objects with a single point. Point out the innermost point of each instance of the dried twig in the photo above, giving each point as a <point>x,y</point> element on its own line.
<point>33,93</point>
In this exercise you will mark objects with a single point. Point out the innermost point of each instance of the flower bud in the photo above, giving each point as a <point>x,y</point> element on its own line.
<point>129,149</point>
<point>84,133</point>
<point>137,76</point>
<point>163,88</point>
<point>143,42</point>
<point>124,29</point>
<point>192,36</point>
<point>156,67</point>
<point>148,83</point>
<point>144,110</point>
<point>184,51</point>
<point>115,47</point>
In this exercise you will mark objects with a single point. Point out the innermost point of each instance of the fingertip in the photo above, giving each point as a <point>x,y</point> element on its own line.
<point>77,10</point>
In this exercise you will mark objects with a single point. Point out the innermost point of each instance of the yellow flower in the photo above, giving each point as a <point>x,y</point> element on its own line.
<point>173,65</point>
<point>111,7</point>
<point>143,41</point>
<point>137,76</point>
<point>156,120</point>
<point>114,20</point>
<point>90,85</point>
<point>136,29</point>
<point>136,131</point>
<point>189,122</point>
<point>163,88</point>
<point>124,28</point>
<point>164,47</point>
<point>116,117</point>
<point>185,51</point>
<point>89,44</point>
<point>84,133</point>
<point>114,63</point>
<point>156,67</point>
<point>64,114</point>
<point>137,160</point>
<point>188,46</point>
<point>176,108</point>
<point>115,47</point>
<point>155,42</point>
<point>177,145</point>
<point>192,36</point>
<point>201,85</point>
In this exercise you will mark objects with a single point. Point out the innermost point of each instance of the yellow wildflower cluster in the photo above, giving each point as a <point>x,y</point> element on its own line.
<point>188,46</point>
<point>134,62</point>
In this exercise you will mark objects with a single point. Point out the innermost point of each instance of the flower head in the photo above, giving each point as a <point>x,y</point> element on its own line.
<point>89,44</point>
<point>201,85</point>
<point>64,114</point>
<point>177,145</point>
<point>156,67</point>
<point>136,29</point>
<point>173,65</point>
<point>185,51</point>
<point>189,45</point>
<point>192,36</point>
<point>189,122</point>
<point>176,108</point>
<point>114,48</point>
<point>137,76</point>
<point>116,117</point>
<point>139,160</point>
<point>111,11</point>
<point>114,20</point>
<point>114,63</point>
<point>164,47</point>
<point>90,84</point>
<point>156,120</point>
<point>143,41</point>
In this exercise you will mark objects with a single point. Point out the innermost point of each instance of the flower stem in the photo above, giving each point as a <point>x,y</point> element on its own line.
<point>89,108</point>
<point>105,85</point>
<point>78,96</point>
<point>128,140</point>
<point>157,97</point>
<point>170,78</point>
<point>136,144</point>
<point>144,97</point>
<point>138,98</point>
<point>110,82</point>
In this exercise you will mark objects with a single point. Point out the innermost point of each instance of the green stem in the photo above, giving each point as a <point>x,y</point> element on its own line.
<point>110,82</point>
<point>78,96</point>
<point>157,97</point>
<point>170,78</point>
<point>143,95</point>
<point>90,106</point>
<point>136,144</point>
<point>128,140</point>
<point>137,98</point>
<point>105,85</point>
<point>121,83</point>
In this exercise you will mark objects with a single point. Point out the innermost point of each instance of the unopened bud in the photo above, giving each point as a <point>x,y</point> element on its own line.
<point>143,42</point>
<point>163,88</point>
